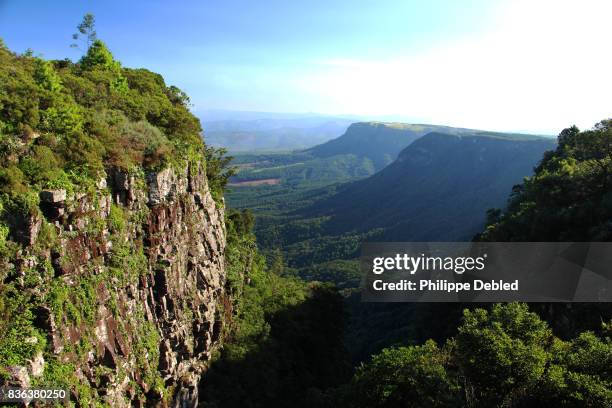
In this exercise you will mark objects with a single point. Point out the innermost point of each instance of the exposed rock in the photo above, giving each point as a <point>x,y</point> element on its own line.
<point>24,228</point>
<point>170,289</point>
<point>165,185</point>
<point>37,365</point>
<point>53,196</point>
<point>19,376</point>
<point>102,183</point>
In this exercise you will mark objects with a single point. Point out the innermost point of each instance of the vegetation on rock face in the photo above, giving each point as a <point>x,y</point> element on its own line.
<point>67,126</point>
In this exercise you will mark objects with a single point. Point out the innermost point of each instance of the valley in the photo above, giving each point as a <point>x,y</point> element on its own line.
<point>426,185</point>
<point>419,184</point>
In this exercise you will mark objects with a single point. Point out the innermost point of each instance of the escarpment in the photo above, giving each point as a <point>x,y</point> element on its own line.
<point>112,234</point>
<point>126,283</point>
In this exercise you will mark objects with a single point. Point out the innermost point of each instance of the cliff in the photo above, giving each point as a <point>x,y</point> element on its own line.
<point>112,248</point>
<point>131,285</point>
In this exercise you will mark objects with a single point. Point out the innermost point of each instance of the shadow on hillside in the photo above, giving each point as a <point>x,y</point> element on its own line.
<point>302,355</point>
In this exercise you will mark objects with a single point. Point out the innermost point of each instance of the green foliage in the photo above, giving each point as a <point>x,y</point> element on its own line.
<point>343,273</point>
<point>218,171</point>
<point>502,352</point>
<point>46,77</point>
<point>414,376</point>
<point>41,167</point>
<point>568,198</point>
<point>127,261</point>
<point>99,56</point>
<point>20,203</point>
<point>75,303</point>
<point>58,119</point>
<point>177,96</point>
<point>87,29</point>
<point>4,232</point>
<point>19,339</point>
<point>116,219</point>
<point>61,120</point>
<point>12,181</point>
<point>505,357</point>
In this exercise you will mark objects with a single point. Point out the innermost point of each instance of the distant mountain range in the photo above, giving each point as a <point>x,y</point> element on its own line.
<point>254,131</point>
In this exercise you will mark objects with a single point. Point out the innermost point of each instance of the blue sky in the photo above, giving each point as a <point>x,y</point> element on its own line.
<point>505,65</point>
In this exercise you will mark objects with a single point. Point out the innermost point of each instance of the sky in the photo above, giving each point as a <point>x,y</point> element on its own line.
<point>511,65</point>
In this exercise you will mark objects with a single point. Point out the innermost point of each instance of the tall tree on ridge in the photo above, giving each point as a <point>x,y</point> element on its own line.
<point>86,31</point>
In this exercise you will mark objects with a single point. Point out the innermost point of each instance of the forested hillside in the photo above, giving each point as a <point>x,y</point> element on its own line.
<point>437,189</point>
<point>365,148</point>
<point>568,198</point>
<point>379,142</point>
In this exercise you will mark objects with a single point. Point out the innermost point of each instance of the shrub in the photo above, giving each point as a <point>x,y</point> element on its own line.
<point>46,77</point>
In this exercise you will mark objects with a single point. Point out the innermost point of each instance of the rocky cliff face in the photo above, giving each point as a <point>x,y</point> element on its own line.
<point>129,287</point>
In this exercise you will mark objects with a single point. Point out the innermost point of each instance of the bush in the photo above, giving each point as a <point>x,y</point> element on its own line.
<point>46,77</point>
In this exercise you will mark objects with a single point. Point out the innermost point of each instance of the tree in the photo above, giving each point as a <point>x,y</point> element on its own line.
<point>568,198</point>
<point>502,353</point>
<point>98,55</point>
<point>86,31</point>
<point>415,376</point>
<point>278,263</point>
<point>45,76</point>
<point>218,169</point>
<point>505,357</point>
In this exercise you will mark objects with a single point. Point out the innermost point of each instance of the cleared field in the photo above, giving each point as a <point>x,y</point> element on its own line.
<point>251,183</point>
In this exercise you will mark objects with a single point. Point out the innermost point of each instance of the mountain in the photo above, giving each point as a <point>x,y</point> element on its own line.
<point>244,132</point>
<point>439,188</point>
<point>378,141</point>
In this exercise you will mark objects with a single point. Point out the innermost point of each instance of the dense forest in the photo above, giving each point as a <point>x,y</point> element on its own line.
<point>569,196</point>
